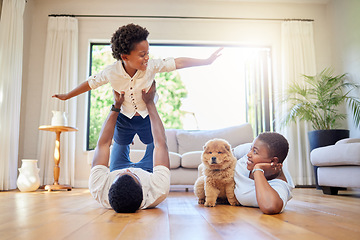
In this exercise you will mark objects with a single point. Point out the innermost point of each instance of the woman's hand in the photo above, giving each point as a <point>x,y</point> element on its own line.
<point>270,169</point>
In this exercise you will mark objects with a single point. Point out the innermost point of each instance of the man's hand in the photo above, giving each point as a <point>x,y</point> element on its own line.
<point>148,97</point>
<point>118,98</point>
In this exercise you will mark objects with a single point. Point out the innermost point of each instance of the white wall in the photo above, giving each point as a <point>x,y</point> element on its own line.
<point>265,33</point>
<point>345,19</point>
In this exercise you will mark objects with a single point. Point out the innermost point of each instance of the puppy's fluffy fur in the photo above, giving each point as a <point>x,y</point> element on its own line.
<point>216,181</point>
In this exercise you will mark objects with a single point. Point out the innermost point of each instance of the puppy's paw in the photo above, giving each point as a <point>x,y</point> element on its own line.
<point>209,204</point>
<point>201,201</point>
<point>234,202</point>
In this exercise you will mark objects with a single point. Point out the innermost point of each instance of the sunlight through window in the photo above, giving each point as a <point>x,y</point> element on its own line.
<point>229,92</point>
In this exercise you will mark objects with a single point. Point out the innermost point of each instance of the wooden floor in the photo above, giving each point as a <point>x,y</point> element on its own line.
<point>75,215</point>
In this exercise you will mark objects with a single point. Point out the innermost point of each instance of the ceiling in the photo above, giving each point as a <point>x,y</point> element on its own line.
<point>278,1</point>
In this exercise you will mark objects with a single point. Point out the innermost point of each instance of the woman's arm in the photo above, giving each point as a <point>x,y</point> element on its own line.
<point>268,199</point>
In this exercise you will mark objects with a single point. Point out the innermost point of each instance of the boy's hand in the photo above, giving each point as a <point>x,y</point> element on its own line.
<point>118,98</point>
<point>148,97</point>
<point>61,96</point>
<point>215,55</point>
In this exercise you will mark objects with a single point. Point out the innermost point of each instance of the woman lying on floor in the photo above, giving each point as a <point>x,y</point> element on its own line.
<point>260,180</point>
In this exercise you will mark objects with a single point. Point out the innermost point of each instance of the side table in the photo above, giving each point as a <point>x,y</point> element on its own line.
<point>58,130</point>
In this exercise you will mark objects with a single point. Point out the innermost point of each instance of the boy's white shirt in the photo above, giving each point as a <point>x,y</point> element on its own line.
<point>155,186</point>
<point>132,86</point>
<point>245,186</point>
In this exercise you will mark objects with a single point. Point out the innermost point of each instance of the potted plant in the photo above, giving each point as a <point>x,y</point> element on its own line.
<point>317,101</point>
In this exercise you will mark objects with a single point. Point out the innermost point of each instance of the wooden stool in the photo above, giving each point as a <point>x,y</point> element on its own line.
<point>57,130</point>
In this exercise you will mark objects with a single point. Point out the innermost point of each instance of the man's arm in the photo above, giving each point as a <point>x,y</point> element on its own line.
<point>83,87</point>
<point>102,150</point>
<point>183,62</point>
<point>161,152</point>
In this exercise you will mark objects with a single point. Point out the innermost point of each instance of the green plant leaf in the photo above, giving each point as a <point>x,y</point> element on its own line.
<point>318,98</point>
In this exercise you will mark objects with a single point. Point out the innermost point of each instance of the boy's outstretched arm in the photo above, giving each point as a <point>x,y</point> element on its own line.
<point>83,87</point>
<point>102,150</point>
<point>161,152</point>
<point>184,62</point>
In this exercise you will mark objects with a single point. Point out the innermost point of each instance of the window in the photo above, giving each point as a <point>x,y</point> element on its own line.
<point>235,89</point>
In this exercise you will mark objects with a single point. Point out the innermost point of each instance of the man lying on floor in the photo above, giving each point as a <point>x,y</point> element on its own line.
<point>126,190</point>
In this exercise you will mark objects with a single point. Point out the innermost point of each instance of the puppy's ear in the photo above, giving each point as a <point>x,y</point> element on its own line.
<point>227,147</point>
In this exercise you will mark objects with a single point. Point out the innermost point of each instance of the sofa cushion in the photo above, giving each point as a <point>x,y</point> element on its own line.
<point>137,155</point>
<point>242,150</point>
<point>170,140</point>
<point>195,140</point>
<point>182,176</point>
<point>348,140</point>
<point>191,159</point>
<point>339,176</point>
<point>336,155</point>
<point>175,160</point>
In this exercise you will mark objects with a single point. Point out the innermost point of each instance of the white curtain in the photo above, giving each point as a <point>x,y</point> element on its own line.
<point>298,58</point>
<point>11,57</point>
<point>259,91</point>
<point>60,76</point>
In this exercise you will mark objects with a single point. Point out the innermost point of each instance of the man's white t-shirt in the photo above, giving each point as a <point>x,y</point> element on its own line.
<point>132,86</point>
<point>245,186</point>
<point>155,186</point>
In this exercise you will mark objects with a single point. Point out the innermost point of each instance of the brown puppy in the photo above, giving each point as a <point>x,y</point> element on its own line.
<point>217,179</point>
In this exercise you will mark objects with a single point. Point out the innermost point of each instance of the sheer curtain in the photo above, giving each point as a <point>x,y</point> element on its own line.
<point>60,76</point>
<point>298,58</point>
<point>259,91</point>
<point>11,55</point>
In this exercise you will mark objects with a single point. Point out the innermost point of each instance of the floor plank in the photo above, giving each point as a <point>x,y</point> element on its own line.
<point>185,221</point>
<point>75,215</point>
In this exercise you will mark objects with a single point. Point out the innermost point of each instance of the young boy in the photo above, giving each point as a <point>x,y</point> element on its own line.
<point>260,180</point>
<point>132,72</point>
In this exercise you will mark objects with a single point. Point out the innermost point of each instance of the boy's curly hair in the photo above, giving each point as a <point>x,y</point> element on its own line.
<point>124,39</point>
<point>125,195</point>
<point>277,144</point>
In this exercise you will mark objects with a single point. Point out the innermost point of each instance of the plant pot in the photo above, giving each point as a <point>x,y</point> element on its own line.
<point>322,138</point>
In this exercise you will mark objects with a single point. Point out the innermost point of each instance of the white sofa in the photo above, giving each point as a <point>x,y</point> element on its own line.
<point>185,148</point>
<point>338,165</point>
